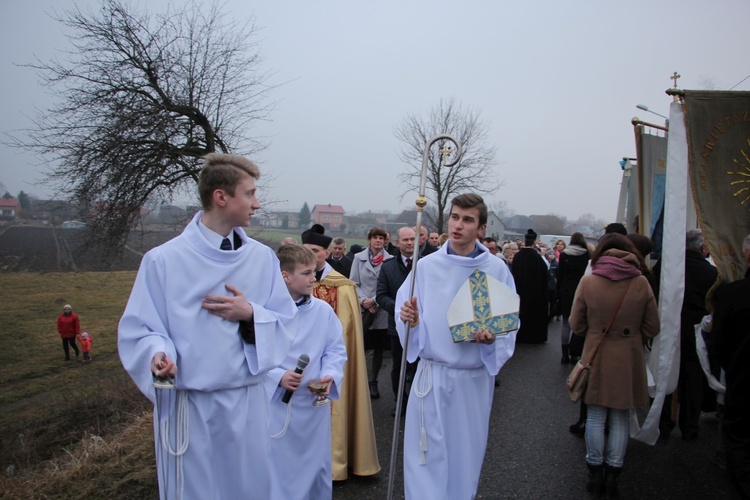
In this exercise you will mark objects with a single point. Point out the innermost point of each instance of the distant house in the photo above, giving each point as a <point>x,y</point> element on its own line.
<point>9,208</point>
<point>585,231</point>
<point>329,216</point>
<point>548,224</point>
<point>280,220</point>
<point>171,214</point>
<point>495,227</point>
<point>54,211</point>
<point>359,225</point>
<point>379,219</point>
<point>406,218</point>
<point>516,226</point>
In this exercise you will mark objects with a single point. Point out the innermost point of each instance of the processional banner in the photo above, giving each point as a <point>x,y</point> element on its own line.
<point>718,130</point>
<point>664,358</point>
<point>652,167</point>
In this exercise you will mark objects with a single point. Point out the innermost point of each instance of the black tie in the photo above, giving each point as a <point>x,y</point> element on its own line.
<point>408,264</point>
<point>319,274</point>
<point>225,244</point>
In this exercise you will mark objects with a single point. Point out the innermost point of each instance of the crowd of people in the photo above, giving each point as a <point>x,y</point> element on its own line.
<point>234,330</point>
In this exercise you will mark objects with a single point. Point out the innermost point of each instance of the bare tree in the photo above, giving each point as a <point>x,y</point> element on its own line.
<point>591,221</point>
<point>140,98</point>
<point>549,224</point>
<point>475,171</point>
<point>501,209</point>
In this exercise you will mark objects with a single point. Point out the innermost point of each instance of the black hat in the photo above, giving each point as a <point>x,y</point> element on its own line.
<point>315,236</point>
<point>615,227</point>
<point>355,248</point>
<point>530,235</point>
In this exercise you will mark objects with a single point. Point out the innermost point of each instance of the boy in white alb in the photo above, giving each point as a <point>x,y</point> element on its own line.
<point>300,432</point>
<point>448,413</point>
<point>213,303</point>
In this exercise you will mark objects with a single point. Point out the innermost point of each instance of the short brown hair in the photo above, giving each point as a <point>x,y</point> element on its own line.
<point>376,231</point>
<point>291,254</point>
<point>642,243</point>
<point>472,200</point>
<point>222,171</point>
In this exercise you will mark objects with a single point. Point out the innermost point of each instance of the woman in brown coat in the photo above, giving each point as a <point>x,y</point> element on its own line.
<point>617,380</point>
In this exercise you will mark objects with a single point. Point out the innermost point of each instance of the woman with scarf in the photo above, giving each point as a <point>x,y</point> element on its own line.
<point>365,271</point>
<point>617,295</point>
<point>571,266</point>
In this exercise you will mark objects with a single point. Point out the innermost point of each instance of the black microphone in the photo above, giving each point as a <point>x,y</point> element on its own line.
<point>302,362</point>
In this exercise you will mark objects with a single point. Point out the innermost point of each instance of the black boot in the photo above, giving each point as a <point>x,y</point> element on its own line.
<point>610,481</point>
<point>596,479</point>
<point>579,428</point>
<point>565,357</point>
<point>374,393</point>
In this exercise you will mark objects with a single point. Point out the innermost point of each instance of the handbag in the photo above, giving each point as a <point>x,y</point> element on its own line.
<point>578,377</point>
<point>368,319</point>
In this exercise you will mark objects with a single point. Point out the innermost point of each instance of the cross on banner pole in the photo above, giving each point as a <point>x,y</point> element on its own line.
<point>674,77</point>
<point>421,202</point>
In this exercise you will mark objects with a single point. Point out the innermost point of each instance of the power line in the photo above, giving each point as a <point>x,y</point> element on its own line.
<point>748,76</point>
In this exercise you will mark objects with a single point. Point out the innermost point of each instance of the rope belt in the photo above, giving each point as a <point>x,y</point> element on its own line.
<point>423,388</point>
<point>286,422</point>
<point>182,435</point>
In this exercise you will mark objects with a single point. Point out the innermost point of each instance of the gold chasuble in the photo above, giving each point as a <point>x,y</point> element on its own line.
<point>352,431</point>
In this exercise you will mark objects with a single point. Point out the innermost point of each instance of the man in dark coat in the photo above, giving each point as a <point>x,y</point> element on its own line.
<point>389,246</point>
<point>391,277</point>
<point>338,259</point>
<point>530,275</point>
<point>425,248</point>
<point>700,276</point>
<point>730,342</point>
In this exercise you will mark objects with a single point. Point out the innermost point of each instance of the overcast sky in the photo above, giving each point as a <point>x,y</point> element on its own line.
<point>557,83</point>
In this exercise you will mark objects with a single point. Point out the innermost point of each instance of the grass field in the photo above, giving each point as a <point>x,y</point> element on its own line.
<point>70,430</point>
<point>272,237</point>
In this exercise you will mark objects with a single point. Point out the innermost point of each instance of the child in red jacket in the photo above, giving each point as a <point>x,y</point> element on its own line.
<point>86,346</point>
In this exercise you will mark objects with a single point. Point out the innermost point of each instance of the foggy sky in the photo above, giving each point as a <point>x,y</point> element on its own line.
<point>557,82</point>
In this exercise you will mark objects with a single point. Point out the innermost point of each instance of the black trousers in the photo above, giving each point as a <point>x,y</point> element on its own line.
<point>397,353</point>
<point>69,342</point>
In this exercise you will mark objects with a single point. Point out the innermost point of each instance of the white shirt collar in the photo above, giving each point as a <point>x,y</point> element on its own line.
<point>214,239</point>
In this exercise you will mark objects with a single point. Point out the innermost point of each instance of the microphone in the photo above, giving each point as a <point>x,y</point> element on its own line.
<point>302,362</point>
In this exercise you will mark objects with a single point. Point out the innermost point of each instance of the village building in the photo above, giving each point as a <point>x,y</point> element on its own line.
<point>329,216</point>
<point>9,208</point>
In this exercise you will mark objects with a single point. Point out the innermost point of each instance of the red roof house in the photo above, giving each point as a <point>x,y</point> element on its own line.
<point>329,216</point>
<point>9,207</point>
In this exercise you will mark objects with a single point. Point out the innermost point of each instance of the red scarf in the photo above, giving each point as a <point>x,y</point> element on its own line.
<point>376,260</point>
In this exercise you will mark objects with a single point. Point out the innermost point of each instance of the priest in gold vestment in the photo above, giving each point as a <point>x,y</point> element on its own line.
<point>352,431</point>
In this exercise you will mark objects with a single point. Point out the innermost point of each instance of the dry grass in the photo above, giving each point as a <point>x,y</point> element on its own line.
<point>69,430</point>
<point>121,466</point>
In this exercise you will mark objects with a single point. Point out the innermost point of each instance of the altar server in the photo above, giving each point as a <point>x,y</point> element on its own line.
<point>448,413</point>
<point>211,302</point>
<point>301,432</point>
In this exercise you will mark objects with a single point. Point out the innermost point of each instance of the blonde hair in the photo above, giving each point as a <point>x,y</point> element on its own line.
<point>291,255</point>
<point>223,171</point>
